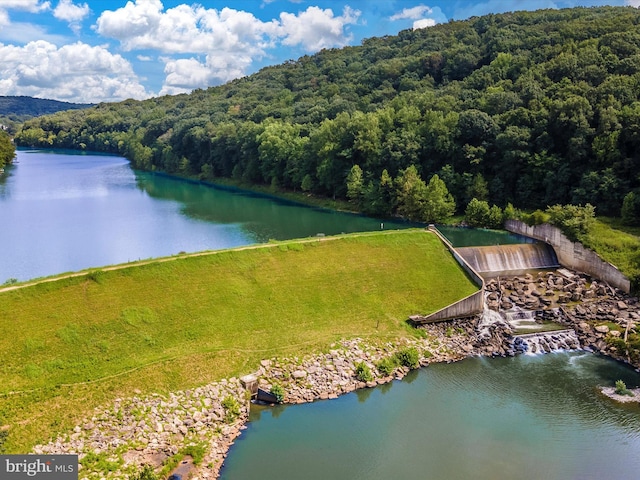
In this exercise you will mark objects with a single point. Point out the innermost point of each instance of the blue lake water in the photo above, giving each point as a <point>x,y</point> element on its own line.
<point>67,211</point>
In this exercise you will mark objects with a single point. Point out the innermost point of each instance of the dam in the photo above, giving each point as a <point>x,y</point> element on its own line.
<point>490,261</point>
<point>495,260</point>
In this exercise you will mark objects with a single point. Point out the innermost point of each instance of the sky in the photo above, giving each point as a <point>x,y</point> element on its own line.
<point>109,50</point>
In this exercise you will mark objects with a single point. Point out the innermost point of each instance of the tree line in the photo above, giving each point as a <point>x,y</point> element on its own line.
<point>7,149</point>
<point>523,108</point>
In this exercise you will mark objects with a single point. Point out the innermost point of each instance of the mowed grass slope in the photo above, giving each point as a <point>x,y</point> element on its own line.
<point>77,343</point>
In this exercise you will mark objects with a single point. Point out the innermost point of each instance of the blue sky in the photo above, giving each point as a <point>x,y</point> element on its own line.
<point>109,50</point>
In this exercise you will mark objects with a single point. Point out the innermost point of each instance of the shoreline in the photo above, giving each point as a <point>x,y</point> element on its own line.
<point>157,429</point>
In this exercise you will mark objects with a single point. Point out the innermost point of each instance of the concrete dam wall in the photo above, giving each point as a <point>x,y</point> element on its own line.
<point>572,254</point>
<point>499,259</point>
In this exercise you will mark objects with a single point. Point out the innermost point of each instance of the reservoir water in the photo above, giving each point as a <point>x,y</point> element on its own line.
<point>67,211</point>
<point>530,417</point>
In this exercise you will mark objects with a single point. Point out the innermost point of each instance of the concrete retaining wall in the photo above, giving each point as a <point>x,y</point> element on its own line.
<point>468,306</point>
<point>572,254</point>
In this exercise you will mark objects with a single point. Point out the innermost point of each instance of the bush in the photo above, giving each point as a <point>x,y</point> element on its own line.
<point>535,218</point>
<point>477,213</point>
<point>232,409</point>
<point>621,388</point>
<point>408,357</point>
<point>386,366</point>
<point>631,209</point>
<point>197,452</point>
<point>278,392</point>
<point>363,372</point>
<point>146,473</point>
<point>574,220</point>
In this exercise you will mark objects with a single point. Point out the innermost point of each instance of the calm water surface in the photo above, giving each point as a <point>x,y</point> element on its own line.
<point>529,417</point>
<point>65,211</point>
<point>473,237</point>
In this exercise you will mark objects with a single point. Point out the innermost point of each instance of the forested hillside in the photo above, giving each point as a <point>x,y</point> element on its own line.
<point>15,110</point>
<point>532,108</point>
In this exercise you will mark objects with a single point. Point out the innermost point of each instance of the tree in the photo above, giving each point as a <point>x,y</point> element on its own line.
<point>7,150</point>
<point>477,213</point>
<point>631,209</point>
<point>355,185</point>
<point>439,204</point>
<point>411,193</point>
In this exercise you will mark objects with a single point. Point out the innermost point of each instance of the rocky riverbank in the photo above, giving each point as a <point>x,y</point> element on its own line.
<point>159,430</point>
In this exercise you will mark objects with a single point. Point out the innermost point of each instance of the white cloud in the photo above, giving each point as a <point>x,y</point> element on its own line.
<point>76,72</point>
<point>69,12</point>
<point>632,3</point>
<point>419,15</point>
<point>315,28</point>
<point>4,19</point>
<point>28,5</point>
<point>229,40</point>
<point>424,23</point>
<point>74,14</point>
<point>414,13</point>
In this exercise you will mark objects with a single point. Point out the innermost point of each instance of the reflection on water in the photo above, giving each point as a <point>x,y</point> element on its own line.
<point>261,217</point>
<point>475,237</point>
<point>64,211</point>
<point>534,417</point>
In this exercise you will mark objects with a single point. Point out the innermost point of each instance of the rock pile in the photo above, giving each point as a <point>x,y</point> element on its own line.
<point>545,290</point>
<point>148,430</point>
<point>330,374</point>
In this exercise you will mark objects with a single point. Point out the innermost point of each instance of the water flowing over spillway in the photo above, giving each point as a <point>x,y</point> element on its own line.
<point>509,258</point>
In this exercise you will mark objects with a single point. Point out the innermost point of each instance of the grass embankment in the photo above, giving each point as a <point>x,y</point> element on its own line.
<point>618,245</point>
<point>77,343</point>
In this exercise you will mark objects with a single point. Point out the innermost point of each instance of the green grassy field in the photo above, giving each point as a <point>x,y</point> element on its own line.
<point>77,343</point>
<point>617,244</point>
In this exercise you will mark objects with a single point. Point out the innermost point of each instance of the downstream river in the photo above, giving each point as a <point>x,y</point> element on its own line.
<point>533,417</point>
<point>67,211</point>
<point>528,417</point>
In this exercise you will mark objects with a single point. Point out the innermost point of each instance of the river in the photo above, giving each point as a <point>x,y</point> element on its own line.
<point>530,417</point>
<point>525,417</point>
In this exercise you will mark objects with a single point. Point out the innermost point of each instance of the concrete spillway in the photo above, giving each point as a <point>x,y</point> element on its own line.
<point>509,258</point>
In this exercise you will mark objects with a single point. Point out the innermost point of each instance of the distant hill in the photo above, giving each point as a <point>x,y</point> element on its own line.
<point>34,107</point>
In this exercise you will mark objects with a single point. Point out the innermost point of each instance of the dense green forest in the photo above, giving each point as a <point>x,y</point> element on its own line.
<point>7,149</point>
<point>15,110</point>
<point>529,108</point>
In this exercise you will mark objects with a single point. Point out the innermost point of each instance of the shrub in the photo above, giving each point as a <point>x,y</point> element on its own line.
<point>278,392</point>
<point>363,372</point>
<point>621,388</point>
<point>535,218</point>
<point>408,357</point>
<point>232,409</point>
<point>386,366</point>
<point>146,473</point>
<point>631,209</point>
<point>197,452</point>
<point>574,220</point>
<point>477,213</point>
